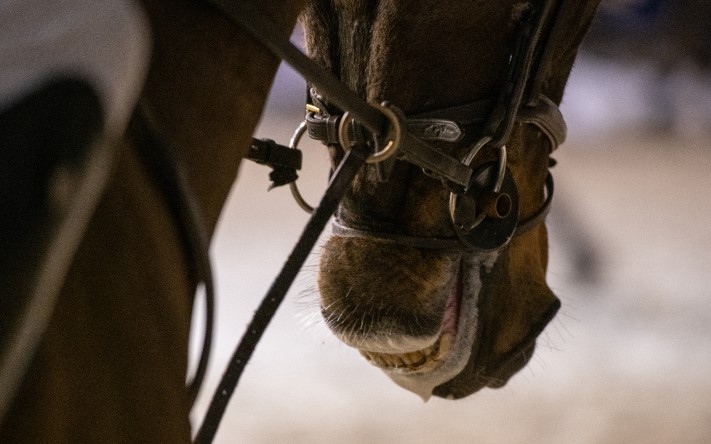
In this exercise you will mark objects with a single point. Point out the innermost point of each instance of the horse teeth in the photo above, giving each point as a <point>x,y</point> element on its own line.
<point>428,351</point>
<point>390,360</point>
<point>445,344</point>
<point>426,359</point>
<point>413,358</point>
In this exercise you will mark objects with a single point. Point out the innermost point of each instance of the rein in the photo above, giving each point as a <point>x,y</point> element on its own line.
<point>378,134</point>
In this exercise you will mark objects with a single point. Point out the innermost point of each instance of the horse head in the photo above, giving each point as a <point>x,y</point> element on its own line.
<point>438,322</point>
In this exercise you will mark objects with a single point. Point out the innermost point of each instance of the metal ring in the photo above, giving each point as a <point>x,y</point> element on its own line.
<point>475,150</point>
<point>293,143</point>
<point>503,158</point>
<point>395,131</point>
<point>343,131</point>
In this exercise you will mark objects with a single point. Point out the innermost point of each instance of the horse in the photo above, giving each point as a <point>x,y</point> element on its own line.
<point>438,323</point>
<point>112,364</point>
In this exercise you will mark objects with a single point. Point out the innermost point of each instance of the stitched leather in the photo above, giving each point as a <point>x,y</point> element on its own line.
<point>325,129</point>
<point>547,117</point>
<point>444,125</point>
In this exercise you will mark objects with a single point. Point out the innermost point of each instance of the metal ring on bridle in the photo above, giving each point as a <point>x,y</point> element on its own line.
<point>468,160</point>
<point>293,143</point>
<point>394,134</point>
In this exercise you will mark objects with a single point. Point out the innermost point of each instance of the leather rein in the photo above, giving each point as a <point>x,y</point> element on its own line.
<point>483,201</point>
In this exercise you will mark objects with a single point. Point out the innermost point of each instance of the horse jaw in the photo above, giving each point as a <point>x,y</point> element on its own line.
<point>422,383</point>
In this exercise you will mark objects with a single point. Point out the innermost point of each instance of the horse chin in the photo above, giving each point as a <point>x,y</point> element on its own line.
<point>443,357</point>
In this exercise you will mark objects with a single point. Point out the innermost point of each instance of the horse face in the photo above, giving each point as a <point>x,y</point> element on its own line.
<point>436,323</point>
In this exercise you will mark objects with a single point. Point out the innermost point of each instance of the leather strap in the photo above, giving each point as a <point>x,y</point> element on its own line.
<point>445,125</point>
<point>158,155</point>
<point>546,116</point>
<point>523,65</point>
<point>443,244</point>
<point>325,129</point>
<point>340,182</point>
<point>248,17</point>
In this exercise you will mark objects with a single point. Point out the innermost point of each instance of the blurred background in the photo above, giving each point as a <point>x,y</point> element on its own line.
<point>628,358</point>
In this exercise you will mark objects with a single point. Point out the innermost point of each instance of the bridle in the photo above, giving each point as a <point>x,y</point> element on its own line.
<point>483,201</point>
<point>496,220</point>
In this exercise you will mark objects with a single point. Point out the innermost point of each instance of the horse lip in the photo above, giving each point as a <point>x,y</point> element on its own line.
<point>497,374</point>
<point>434,349</point>
<point>518,359</point>
<point>520,355</point>
<point>467,341</point>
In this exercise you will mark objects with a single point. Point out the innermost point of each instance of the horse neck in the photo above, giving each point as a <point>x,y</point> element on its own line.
<point>206,88</point>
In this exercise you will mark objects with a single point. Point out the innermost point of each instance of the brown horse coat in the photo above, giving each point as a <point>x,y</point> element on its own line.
<point>112,366</point>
